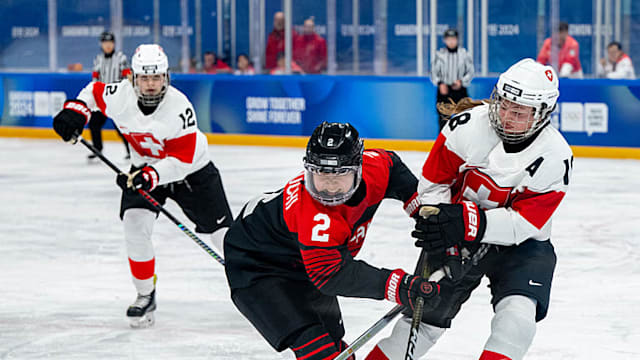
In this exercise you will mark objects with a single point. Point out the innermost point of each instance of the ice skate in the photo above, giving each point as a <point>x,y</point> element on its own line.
<point>141,312</point>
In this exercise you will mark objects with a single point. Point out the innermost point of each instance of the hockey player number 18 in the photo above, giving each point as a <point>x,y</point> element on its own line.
<point>324,223</point>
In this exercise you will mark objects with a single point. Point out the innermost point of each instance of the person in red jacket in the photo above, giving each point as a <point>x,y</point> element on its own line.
<point>275,42</point>
<point>568,53</point>
<point>280,69</point>
<point>213,65</point>
<point>310,49</point>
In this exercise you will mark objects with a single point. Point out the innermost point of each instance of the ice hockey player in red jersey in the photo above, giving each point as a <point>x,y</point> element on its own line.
<point>170,159</point>
<point>291,252</point>
<point>497,173</point>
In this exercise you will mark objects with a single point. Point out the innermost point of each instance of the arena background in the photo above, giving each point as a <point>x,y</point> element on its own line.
<point>392,99</point>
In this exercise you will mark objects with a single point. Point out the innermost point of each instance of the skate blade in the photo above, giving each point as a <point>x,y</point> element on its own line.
<point>145,321</point>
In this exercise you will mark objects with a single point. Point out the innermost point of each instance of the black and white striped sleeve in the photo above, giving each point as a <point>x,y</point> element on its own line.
<point>437,68</point>
<point>468,69</point>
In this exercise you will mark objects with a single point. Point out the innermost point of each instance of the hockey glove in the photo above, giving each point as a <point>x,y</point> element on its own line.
<point>403,289</point>
<point>450,225</point>
<point>145,179</point>
<point>70,121</point>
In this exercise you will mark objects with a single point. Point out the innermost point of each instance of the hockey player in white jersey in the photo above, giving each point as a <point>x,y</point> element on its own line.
<point>496,173</point>
<point>169,157</point>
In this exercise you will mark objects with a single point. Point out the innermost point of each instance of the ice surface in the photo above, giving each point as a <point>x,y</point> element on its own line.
<point>65,283</point>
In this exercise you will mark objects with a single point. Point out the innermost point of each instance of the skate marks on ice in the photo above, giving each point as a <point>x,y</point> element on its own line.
<point>65,284</point>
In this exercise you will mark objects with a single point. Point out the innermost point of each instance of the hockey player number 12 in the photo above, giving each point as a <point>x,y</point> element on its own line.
<point>324,223</point>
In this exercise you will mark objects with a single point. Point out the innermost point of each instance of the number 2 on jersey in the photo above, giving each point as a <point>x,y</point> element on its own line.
<point>110,89</point>
<point>324,221</point>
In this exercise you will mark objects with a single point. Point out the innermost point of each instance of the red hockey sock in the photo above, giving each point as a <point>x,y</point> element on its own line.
<point>142,270</point>
<point>490,355</point>
<point>376,354</point>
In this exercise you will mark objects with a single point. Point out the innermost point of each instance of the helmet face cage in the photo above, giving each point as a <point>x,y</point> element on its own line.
<point>333,163</point>
<point>514,123</point>
<point>151,100</point>
<point>332,186</point>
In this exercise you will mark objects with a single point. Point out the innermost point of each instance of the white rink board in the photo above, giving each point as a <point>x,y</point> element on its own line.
<point>65,283</point>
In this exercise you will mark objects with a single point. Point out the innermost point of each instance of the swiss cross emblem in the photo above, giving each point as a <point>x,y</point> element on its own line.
<point>146,144</point>
<point>482,190</point>
<point>549,74</point>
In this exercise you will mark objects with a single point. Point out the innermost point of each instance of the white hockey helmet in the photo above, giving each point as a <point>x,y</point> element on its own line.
<point>150,59</point>
<point>525,84</point>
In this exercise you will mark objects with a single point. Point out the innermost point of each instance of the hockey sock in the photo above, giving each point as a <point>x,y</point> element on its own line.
<point>376,354</point>
<point>314,343</point>
<point>138,226</point>
<point>512,328</point>
<point>142,272</point>
<point>395,346</point>
<point>490,355</point>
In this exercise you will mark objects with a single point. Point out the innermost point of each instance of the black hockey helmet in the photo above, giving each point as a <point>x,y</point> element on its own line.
<point>333,163</point>
<point>107,36</point>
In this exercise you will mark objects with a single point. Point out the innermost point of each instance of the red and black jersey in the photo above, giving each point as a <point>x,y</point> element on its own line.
<point>287,233</point>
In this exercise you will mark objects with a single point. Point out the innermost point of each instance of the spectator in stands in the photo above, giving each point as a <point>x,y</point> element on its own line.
<point>280,68</point>
<point>244,66</point>
<point>618,65</point>
<point>451,71</point>
<point>310,49</point>
<point>213,65</point>
<point>275,42</point>
<point>568,53</point>
<point>193,65</point>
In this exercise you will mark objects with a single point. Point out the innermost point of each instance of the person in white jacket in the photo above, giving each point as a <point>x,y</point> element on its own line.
<point>169,158</point>
<point>618,65</point>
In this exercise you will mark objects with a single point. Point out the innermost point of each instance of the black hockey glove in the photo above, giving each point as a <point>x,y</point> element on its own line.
<point>145,179</point>
<point>403,289</point>
<point>447,226</point>
<point>70,121</point>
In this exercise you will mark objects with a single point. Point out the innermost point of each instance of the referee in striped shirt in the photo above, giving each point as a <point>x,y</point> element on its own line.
<point>108,67</point>
<point>451,71</point>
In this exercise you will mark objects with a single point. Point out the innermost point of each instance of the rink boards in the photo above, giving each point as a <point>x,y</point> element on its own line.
<point>599,118</point>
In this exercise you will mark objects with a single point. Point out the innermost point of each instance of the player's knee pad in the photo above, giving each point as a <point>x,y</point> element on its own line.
<point>395,346</point>
<point>138,226</point>
<point>314,343</point>
<point>513,326</point>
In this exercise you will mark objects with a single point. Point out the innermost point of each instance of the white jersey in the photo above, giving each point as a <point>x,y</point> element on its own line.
<point>167,139</point>
<point>519,191</point>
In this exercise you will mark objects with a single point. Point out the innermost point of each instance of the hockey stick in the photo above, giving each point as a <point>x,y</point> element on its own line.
<point>388,317</point>
<point>371,332</point>
<point>379,325</point>
<point>155,204</point>
<point>425,212</point>
<point>417,312</point>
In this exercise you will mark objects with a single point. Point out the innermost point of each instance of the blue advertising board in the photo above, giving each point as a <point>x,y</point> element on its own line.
<point>590,112</point>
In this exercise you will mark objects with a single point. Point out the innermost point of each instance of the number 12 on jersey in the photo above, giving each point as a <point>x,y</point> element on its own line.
<point>187,118</point>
